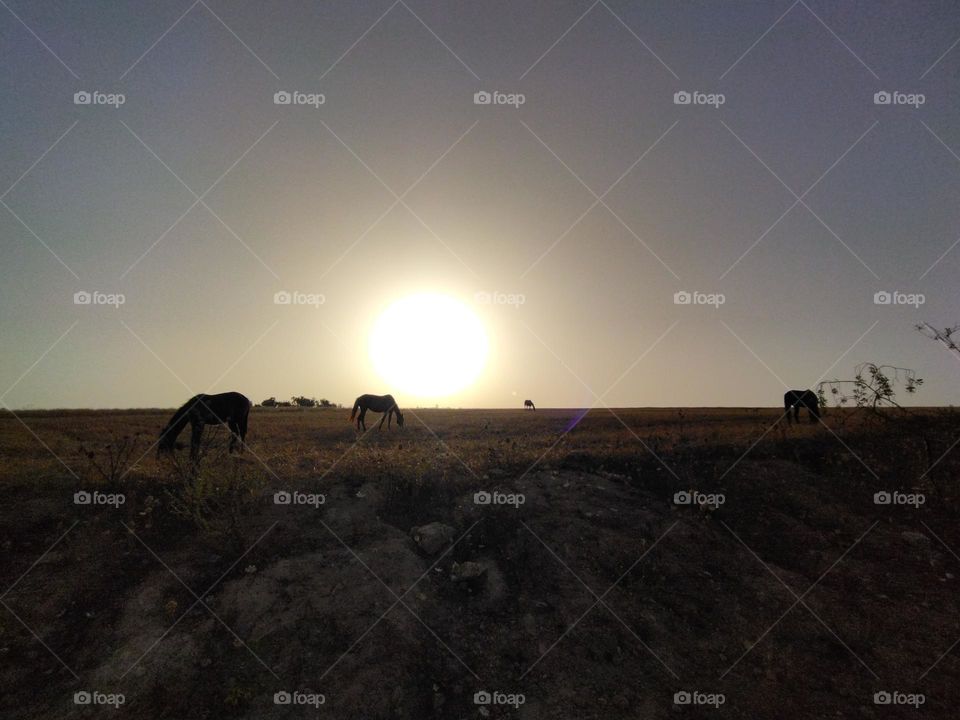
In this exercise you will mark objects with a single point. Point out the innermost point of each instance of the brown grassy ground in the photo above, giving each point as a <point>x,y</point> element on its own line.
<point>199,597</point>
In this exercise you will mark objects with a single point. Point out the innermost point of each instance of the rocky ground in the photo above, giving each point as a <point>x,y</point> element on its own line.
<point>581,590</point>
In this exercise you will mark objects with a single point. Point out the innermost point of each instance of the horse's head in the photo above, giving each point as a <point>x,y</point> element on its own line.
<point>399,418</point>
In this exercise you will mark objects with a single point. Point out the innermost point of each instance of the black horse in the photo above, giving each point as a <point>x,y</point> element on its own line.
<point>529,404</point>
<point>793,400</point>
<point>231,408</point>
<point>378,403</point>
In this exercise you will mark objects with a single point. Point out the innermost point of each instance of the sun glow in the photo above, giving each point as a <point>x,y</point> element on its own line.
<point>428,345</point>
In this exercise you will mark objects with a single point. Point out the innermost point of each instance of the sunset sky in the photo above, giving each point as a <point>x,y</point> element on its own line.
<point>565,224</point>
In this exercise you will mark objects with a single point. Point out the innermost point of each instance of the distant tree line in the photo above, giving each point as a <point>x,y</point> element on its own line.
<point>298,401</point>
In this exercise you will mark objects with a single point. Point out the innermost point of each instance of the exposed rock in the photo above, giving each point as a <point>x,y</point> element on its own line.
<point>432,538</point>
<point>914,538</point>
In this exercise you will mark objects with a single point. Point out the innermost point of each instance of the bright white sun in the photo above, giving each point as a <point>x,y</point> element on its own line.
<point>428,345</point>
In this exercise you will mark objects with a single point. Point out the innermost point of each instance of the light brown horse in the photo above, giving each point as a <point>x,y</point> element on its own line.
<point>378,403</point>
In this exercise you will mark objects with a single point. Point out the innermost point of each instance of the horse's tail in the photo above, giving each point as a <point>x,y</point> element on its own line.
<point>356,406</point>
<point>180,418</point>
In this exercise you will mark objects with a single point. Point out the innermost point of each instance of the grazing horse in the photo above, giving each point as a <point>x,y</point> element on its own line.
<point>793,400</point>
<point>231,408</point>
<point>378,403</point>
<point>529,404</point>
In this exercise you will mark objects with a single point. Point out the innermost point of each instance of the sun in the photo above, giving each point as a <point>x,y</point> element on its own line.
<point>428,345</point>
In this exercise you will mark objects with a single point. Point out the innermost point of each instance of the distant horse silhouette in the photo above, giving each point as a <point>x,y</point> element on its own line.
<point>378,403</point>
<point>529,404</point>
<point>793,400</point>
<point>231,408</point>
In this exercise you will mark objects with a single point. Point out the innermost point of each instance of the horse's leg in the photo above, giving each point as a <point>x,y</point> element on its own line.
<point>196,435</point>
<point>382,418</point>
<point>234,435</point>
<point>362,420</point>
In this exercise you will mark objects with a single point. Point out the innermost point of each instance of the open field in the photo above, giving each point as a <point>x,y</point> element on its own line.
<point>795,595</point>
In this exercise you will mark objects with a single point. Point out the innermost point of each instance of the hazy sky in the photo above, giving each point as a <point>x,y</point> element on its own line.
<point>199,198</point>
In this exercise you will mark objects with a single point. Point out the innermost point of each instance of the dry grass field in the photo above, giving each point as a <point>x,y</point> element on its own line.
<point>587,588</point>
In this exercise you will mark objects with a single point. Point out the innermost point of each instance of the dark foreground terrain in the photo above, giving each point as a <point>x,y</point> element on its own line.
<point>784,589</point>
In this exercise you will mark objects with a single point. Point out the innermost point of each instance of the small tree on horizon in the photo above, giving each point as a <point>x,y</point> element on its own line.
<point>944,336</point>
<point>872,386</point>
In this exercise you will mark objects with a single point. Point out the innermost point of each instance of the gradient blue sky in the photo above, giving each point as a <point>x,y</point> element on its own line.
<point>300,198</point>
